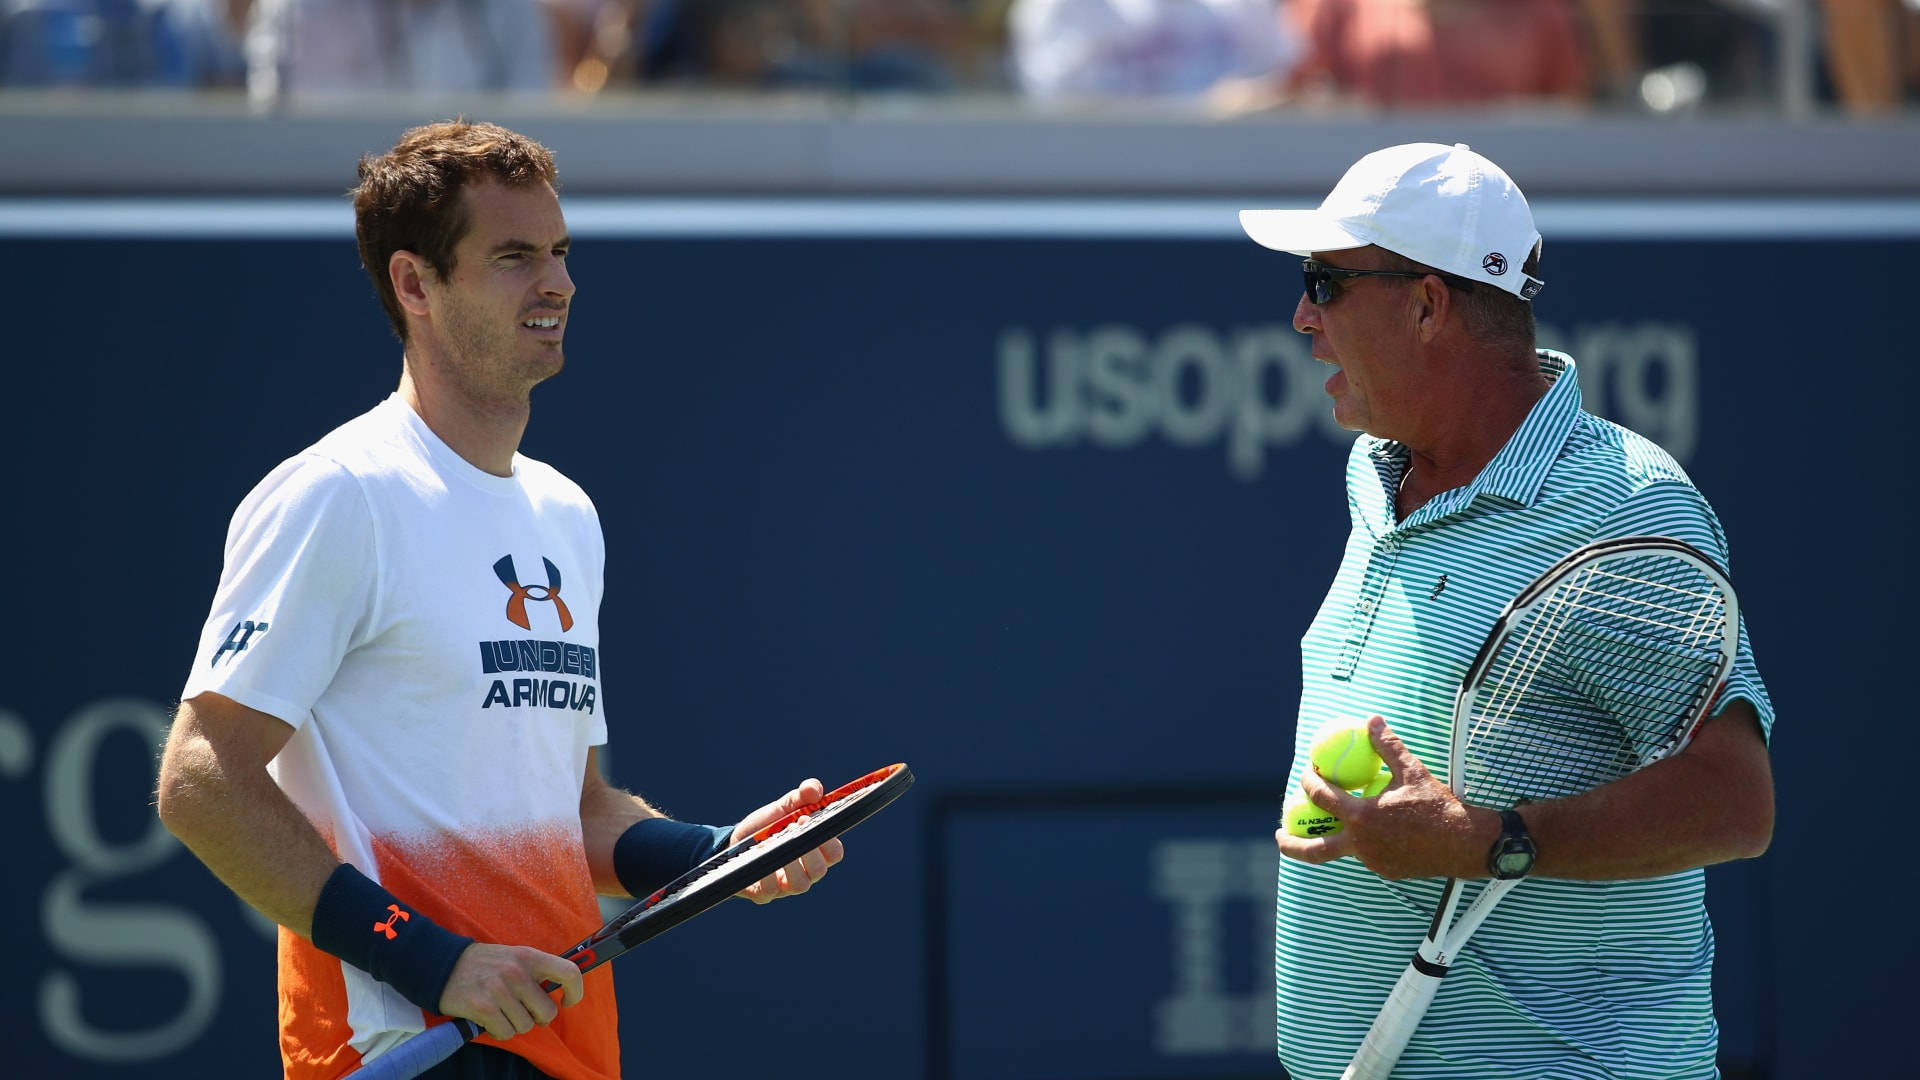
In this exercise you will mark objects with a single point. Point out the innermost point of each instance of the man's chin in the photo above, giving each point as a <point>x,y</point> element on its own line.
<point>547,366</point>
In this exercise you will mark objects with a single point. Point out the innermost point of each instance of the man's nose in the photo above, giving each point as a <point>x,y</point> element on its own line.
<point>1306,315</point>
<point>559,282</point>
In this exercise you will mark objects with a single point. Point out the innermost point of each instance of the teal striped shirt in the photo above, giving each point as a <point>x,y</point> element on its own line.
<point>1566,979</point>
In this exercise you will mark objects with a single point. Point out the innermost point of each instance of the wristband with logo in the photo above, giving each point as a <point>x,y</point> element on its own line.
<point>654,851</point>
<point>370,928</point>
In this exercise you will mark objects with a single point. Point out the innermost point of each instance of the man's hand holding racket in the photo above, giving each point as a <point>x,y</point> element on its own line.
<point>503,988</point>
<point>1417,827</point>
<point>799,875</point>
<point>779,850</point>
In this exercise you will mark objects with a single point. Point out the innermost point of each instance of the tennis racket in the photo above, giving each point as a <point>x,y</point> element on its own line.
<point>1607,663</point>
<point>693,892</point>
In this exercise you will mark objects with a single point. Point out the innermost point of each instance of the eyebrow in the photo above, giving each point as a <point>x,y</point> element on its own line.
<point>509,246</point>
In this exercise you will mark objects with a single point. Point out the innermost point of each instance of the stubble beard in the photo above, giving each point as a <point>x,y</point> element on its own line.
<point>492,366</point>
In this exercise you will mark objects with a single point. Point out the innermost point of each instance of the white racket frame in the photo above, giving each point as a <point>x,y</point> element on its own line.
<point>1397,1020</point>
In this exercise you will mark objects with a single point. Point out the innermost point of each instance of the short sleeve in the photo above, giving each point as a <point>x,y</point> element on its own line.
<point>295,594</point>
<point>1676,509</point>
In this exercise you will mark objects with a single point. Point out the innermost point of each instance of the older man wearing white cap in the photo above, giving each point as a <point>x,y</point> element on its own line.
<point>1478,469</point>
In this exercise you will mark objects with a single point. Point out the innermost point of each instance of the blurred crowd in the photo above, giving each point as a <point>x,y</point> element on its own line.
<point>1221,56</point>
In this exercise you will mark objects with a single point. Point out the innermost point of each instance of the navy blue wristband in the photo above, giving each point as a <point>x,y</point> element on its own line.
<point>368,927</point>
<point>654,851</point>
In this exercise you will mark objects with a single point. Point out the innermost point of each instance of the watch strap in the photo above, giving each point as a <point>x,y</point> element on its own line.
<point>1514,838</point>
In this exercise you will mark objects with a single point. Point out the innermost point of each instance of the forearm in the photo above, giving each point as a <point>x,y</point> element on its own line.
<point>216,795</point>
<point>1710,804</point>
<point>606,813</point>
<point>228,811</point>
<point>630,861</point>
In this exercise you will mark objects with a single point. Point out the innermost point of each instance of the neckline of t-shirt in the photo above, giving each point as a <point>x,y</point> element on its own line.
<point>451,463</point>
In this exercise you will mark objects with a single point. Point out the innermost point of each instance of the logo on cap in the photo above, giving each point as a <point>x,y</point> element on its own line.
<point>1495,264</point>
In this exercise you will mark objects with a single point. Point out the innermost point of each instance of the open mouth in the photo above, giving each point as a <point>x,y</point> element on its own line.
<point>542,322</point>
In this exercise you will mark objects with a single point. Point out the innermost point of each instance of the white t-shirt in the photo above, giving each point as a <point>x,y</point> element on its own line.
<point>431,633</point>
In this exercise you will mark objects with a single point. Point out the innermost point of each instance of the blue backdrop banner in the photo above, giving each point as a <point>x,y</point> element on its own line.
<point>1044,517</point>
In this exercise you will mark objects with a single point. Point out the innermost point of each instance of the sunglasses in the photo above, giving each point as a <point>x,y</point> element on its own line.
<point>1320,278</point>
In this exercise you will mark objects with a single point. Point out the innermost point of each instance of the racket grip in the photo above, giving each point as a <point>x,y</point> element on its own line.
<point>419,1053</point>
<point>1391,1030</point>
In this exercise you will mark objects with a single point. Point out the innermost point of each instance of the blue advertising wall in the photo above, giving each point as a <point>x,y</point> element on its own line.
<point>1043,516</point>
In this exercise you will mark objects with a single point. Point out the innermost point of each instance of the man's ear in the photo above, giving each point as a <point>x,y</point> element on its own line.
<point>410,274</point>
<point>1432,304</point>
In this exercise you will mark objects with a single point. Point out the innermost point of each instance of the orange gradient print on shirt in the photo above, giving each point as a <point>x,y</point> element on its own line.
<point>518,886</point>
<point>513,886</point>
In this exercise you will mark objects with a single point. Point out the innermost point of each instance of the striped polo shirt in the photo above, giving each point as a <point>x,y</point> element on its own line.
<point>1566,979</point>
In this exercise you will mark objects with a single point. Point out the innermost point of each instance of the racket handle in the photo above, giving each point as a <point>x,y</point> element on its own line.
<point>1395,1025</point>
<point>419,1053</point>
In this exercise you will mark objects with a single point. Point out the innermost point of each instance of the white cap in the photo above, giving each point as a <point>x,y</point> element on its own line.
<point>1444,206</point>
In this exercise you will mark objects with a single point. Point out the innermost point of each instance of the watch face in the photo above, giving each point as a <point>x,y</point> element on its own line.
<point>1514,862</point>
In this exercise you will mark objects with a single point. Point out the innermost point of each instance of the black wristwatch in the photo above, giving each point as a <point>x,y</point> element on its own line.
<point>1512,855</point>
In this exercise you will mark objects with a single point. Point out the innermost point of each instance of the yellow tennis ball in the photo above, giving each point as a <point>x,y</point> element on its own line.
<point>1305,819</point>
<point>1344,756</point>
<point>1378,784</point>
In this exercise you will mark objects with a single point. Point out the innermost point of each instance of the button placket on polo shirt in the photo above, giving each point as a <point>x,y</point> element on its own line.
<point>1366,604</point>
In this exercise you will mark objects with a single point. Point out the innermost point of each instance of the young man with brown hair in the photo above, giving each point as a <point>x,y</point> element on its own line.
<point>387,741</point>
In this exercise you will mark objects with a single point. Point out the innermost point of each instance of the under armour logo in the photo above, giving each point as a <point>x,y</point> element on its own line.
<point>1495,264</point>
<point>385,926</point>
<point>1438,588</point>
<point>237,639</point>
<point>517,603</point>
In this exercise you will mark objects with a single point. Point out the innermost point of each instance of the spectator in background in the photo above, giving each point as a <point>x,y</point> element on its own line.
<point>1440,52</point>
<point>594,40</point>
<point>735,43</point>
<point>1873,51</point>
<point>1699,51</point>
<point>1680,53</point>
<point>1064,49</point>
<point>863,45</point>
<point>906,44</point>
<point>299,48</point>
<point>206,38</point>
<point>1612,33</point>
<point>121,43</point>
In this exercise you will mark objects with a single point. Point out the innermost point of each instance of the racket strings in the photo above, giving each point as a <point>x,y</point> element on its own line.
<point>1691,616</point>
<point>1602,674</point>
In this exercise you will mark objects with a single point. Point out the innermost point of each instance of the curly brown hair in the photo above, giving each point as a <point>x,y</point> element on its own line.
<point>409,197</point>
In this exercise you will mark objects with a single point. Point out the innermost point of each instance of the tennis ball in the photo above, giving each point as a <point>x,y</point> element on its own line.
<point>1305,819</point>
<point>1344,756</point>
<point>1378,784</point>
